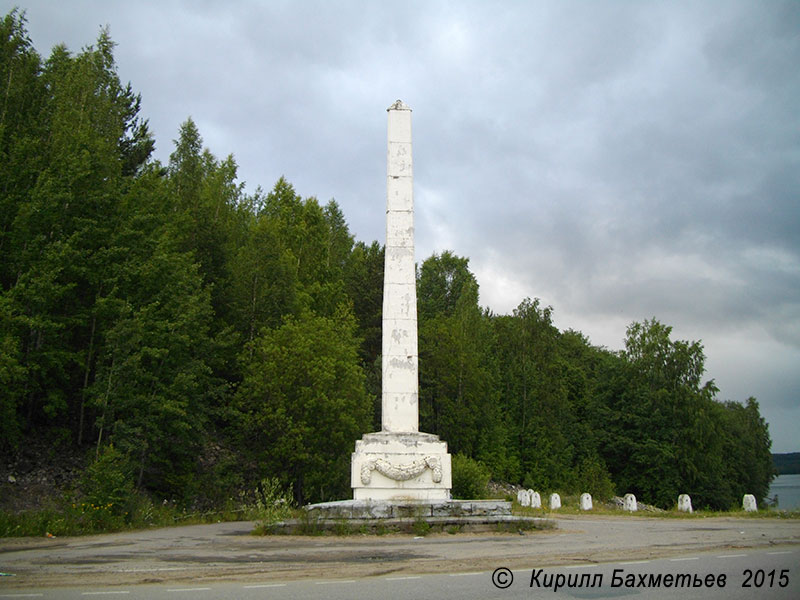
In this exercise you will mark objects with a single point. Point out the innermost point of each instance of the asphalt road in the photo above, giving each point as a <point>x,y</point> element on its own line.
<point>225,561</point>
<point>763,573</point>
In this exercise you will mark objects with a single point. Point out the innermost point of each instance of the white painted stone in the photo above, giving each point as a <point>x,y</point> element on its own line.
<point>586,501</point>
<point>523,498</point>
<point>399,342</point>
<point>403,303</point>
<point>399,463</point>
<point>749,503</point>
<point>400,161</point>
<point>382,509</point>
<point>536,499</point>
<point>400,466</point>
<point>402,128</point>
<point>400,230</point>
<point>630,503</point>
<point>400,366</point>
<point>555,501</point>
<point>397,261</point>
<point>399,374</point>
<point>685,503</point>
<point>402,403</point>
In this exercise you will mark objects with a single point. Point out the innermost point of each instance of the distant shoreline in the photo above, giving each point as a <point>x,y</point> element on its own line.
<point>787,463</point>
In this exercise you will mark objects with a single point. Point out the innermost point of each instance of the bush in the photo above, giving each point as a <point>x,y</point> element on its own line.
<point>108,482</point>
<point>470,478</point>
<point>270,503</point>
<point>593,477</point>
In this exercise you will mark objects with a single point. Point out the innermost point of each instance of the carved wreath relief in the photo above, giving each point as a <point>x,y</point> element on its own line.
<point>401,472</point>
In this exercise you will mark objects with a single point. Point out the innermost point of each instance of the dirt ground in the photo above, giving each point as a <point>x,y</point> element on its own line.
<point>228,551</point>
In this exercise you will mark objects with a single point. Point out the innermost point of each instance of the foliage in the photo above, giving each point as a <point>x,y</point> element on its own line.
<point>303,379</point>
<point>71,516</point>
<point>664,433</point>
<point>787,464</point>
<point>270,503</point>
<point>457,396</point>
<point>108,481</point>
<point>470,478</point>
<point>592,477</point>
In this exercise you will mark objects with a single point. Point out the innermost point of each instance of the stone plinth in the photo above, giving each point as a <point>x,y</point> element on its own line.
<point>376,509</point>
<point>411,516</point>
<point>400,466</point>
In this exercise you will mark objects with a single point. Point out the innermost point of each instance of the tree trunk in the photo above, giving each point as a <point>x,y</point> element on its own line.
<point>86,380</point>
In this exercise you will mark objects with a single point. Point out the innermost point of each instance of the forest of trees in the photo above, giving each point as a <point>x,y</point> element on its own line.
<point>212,338</point>
<point>787,464</point>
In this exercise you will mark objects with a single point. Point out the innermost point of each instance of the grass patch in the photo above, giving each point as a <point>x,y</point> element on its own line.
<point>71,516</point>
<point>421,527</point>
<point>454,529</point>
<point>516,527</point>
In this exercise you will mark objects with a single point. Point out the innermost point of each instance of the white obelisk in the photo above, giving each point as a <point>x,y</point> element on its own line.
<point>400,389</point>
<point>399,462</point>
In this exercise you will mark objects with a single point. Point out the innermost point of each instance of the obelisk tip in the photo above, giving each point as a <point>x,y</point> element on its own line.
<point>398,105</point>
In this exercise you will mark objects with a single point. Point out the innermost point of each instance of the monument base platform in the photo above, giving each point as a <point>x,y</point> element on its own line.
<point>378,509</point>
<point>418,517</point>
<point>400,467</point>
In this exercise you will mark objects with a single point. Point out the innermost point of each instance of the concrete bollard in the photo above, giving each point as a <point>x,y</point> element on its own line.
<point>555,501</point>
<point>523,498</point>
<point>630,503</point>
<point>685,503</point>
<point>749,503</point>
<point>586,501</point>
<point>536,499</point>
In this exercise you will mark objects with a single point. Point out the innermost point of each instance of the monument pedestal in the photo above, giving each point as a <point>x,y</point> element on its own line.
<point>400,476</point>
<point>400,466</point>
<point>399,463</point>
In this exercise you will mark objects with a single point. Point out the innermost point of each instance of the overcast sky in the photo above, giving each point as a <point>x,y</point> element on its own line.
<point>619,160</point>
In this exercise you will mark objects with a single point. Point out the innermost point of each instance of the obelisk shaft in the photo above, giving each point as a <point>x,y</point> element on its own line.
<point>400,390</point>
<point>400,463</point>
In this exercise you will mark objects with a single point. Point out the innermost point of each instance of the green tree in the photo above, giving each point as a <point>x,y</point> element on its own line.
<point>363,280</point>
<point>749,468</point>
<point>80,134</point>
<point>207,197</point>
<point>457,375</point>
<point>339,240</point>
<point>153,380</point>
<point>303,403</point>
<point>364,285</point>
<point>305,239</point>
<point>440,283</point>
<point>12,377</point>
<point>536,396</point>
<point>22,130</point>
<point>663,426</point>
<point>263,280</point>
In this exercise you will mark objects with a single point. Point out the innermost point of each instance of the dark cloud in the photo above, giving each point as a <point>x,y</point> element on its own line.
<point>619,160</point>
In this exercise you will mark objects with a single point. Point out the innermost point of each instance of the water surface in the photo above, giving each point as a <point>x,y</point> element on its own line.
<point>787,488</point>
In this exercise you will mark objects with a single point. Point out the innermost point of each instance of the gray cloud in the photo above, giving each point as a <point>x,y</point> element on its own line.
<point>619,160</point>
